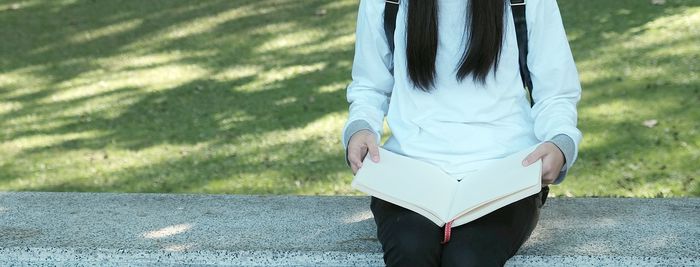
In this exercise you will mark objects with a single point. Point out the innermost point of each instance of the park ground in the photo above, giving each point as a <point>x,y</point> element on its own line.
<point>248,96</point>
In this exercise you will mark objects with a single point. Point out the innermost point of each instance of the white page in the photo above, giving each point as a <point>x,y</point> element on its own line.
<point>398,177</point>
<point>494,205</point>
<point>497,179</point>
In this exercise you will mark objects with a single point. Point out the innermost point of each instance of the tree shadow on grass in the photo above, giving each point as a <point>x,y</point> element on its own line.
<point>626,156</point>
<point>195,112</point>
<point>619,155</point>
<point>202,173</point>
<point>68,41</point>
<point>231,40</point>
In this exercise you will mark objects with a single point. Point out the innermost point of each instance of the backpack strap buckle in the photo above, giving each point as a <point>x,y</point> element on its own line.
<point>516,2</point>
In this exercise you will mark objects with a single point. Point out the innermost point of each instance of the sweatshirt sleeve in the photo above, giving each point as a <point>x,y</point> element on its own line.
<point>372,79</point>
<point>556,85</point>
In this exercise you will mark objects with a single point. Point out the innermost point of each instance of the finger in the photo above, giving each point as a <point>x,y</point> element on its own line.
<point>534,156</point>
<point>546,170</point>
<point>545,176</point>
<point>546,166</point>
<point>353,157</point>
<point>363,154</point>
<point>551,166</point>
<point>374,152</point>
<point>548,179</point>
<point>358,161</point>
<point>549,173</point>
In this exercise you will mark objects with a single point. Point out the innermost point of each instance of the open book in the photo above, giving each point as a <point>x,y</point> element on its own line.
<point>444,199</point>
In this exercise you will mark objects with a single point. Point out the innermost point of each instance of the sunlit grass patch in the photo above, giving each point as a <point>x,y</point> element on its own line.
<point>640,66</point>
<point>248,96</point>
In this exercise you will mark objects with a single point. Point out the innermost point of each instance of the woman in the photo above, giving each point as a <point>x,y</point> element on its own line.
<point>452,95</point>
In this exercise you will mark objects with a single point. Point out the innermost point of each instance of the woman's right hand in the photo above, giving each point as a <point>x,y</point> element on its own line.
<point>361,142</point>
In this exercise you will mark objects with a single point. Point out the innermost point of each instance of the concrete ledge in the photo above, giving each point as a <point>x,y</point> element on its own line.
<point>109,229</point>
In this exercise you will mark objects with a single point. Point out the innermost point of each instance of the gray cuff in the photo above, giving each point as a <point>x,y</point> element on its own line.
<point>567,146</point>
<point>353,128</point>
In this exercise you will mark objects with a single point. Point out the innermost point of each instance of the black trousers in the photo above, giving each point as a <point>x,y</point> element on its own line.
<point>409,239</point>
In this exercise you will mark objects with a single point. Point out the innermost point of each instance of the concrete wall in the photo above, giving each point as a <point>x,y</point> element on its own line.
<point>144,229</point>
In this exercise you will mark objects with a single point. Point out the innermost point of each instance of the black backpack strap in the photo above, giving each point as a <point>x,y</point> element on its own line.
<point>518,8</point>
<point>391,8</point>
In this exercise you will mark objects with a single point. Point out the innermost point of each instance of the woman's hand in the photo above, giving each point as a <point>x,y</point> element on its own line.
<point>552,161</point>
<point>360,142</point>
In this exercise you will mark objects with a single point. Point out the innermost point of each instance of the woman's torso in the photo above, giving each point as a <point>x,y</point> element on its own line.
<point>458,124</point>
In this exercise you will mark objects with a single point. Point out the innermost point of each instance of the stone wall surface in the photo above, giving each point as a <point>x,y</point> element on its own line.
<point>116,229</point>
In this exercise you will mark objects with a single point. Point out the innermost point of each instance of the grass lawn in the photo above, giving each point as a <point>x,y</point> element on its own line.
<point>248,96</point>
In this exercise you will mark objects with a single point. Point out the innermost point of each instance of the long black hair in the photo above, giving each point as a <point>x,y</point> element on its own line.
<point>485,18</point>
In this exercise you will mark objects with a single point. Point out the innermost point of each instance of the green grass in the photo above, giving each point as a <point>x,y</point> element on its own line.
<point>248,96</point>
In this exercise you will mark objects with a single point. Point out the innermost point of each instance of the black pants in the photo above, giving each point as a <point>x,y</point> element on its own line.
<point>409,239</point>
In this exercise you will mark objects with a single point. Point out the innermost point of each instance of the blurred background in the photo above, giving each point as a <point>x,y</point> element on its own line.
<point>248,96</point>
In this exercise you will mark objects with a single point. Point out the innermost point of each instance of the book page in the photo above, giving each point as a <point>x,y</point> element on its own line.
<point>407,182</point>
<point>430,215</point>
<point>496,180</point>
<point>491,206</point>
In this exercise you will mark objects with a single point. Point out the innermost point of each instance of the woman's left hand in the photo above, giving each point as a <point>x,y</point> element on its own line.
<point>552,161</point>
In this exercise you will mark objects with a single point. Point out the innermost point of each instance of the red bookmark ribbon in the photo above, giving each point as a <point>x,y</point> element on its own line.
<point>448,232</point>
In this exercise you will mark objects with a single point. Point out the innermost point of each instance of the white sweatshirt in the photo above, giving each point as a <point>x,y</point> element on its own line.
<point>460,124</point>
